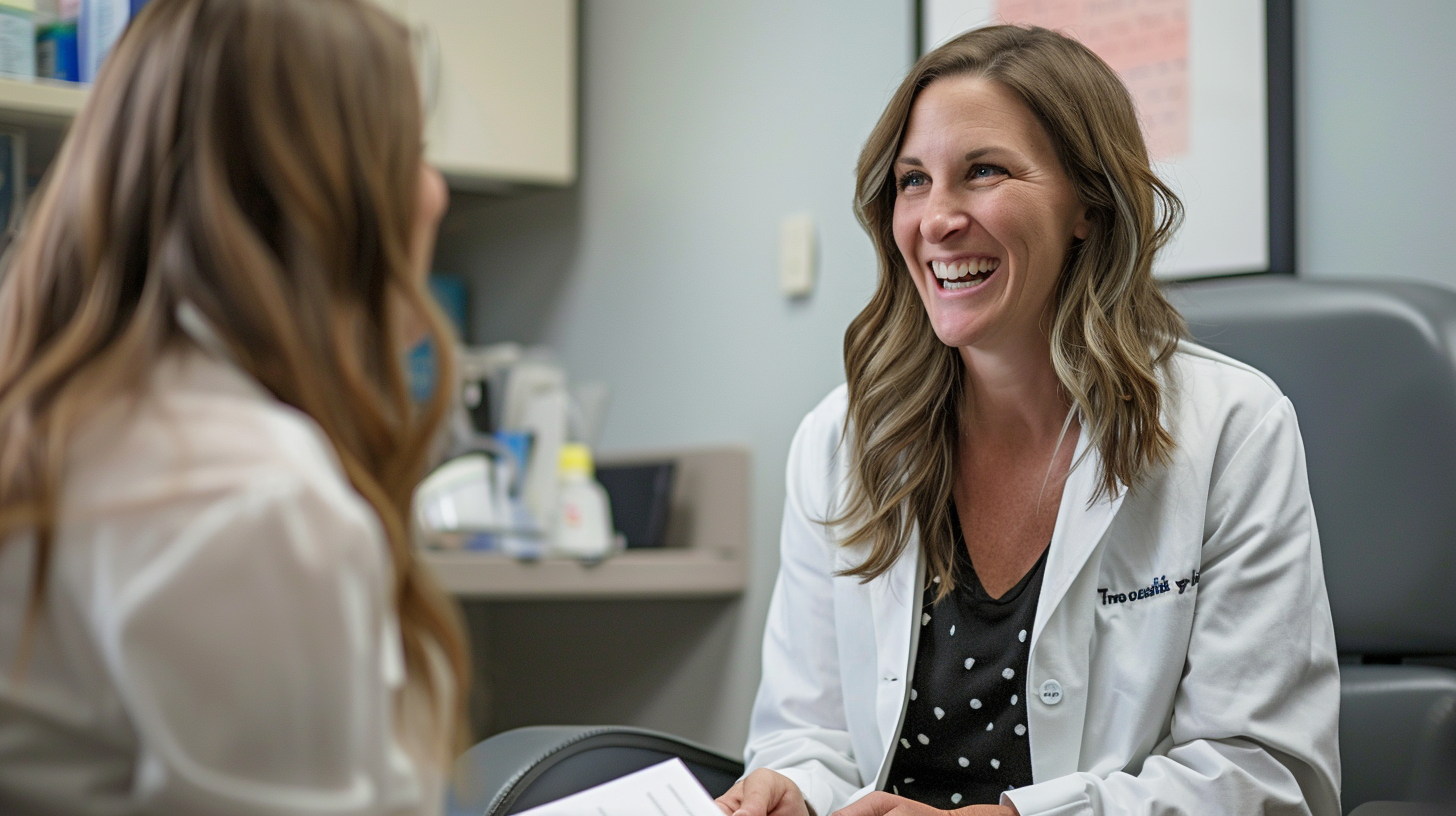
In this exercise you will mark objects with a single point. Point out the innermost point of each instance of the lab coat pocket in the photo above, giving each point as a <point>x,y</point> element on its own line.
<point>1143,623</point>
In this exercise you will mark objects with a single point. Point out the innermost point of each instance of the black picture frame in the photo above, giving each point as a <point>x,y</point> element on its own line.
<point>1279,34</point>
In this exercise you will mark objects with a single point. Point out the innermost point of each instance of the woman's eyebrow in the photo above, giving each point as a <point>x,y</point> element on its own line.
<point>978,153</point>
<point>982,152</point>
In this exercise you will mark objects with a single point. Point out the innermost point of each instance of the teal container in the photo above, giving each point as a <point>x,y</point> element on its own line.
<point>453,295</point>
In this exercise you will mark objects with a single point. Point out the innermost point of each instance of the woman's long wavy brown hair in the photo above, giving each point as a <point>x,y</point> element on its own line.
<point>260,160</point>
<point>1110,332</point>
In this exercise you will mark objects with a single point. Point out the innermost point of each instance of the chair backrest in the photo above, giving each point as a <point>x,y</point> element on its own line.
<point>520,769</point>
<point>1369,369</point>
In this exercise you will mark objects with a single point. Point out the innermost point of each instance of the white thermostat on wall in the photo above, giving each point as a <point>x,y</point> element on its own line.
<point>796,255</point>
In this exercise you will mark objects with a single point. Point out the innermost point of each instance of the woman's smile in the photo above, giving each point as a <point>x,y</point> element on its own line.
<point>962,274</point>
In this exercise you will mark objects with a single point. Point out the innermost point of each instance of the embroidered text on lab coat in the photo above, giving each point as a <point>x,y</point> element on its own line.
<point>1157,587</point>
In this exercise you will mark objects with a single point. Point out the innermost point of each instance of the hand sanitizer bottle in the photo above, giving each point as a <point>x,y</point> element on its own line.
<point>584,519</point>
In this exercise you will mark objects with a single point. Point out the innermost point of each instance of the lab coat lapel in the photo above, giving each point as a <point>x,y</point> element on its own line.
<point>895,604</point>
<point>1065,653</point>
<point>1081,524</point>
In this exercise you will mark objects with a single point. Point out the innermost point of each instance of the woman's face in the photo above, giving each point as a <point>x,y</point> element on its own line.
<point>432,198</point>
<point>984,213</point>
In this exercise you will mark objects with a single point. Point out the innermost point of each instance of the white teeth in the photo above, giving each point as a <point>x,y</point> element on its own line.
<point>953,285</point>
<point>960,269</point>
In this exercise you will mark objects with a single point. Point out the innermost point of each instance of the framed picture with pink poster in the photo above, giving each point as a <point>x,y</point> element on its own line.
<point>1213,81</point>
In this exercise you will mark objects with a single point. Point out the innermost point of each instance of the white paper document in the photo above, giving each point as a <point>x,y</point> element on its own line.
<point>668,789</point>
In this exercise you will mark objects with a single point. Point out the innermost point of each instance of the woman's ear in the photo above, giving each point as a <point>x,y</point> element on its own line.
<point>1082,227</point>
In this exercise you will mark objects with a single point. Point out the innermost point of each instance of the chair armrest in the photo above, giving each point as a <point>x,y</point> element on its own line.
<point>525,767</point>
<point>1401,809</point>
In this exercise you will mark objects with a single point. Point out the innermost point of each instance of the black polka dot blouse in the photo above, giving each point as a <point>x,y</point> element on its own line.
<point>964,738</point>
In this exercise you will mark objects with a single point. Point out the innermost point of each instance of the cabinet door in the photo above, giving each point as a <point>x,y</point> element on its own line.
<point>501,77</point>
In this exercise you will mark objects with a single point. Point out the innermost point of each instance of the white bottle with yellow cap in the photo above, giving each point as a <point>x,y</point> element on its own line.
<point>584,521</point>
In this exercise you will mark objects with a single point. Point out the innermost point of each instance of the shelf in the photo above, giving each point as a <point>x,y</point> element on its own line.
<point>706,554</point>
<point>40,102</point>
<point>634,574</point>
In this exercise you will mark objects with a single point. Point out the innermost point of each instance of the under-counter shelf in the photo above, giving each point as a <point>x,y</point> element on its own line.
<point>660,573</point>
<point>40,102</point>
<point>706,554</point>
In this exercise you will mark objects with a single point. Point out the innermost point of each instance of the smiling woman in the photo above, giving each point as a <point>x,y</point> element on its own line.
<point>967,167</point>
<point>1024,435</point>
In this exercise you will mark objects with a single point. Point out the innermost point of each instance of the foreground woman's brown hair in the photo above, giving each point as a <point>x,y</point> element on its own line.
<point>1110,328</point>
<point>258,160</point>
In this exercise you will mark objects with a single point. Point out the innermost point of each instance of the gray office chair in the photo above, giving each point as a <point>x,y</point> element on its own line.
<point>1371,370</point>
<point>520,769</point>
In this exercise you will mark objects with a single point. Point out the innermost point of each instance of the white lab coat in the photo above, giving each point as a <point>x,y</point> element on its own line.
<point>218,633</point>
<point>1214,697</point>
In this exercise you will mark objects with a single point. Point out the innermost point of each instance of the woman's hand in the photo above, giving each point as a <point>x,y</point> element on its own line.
<point>764,793</point>
<point>887,804</point>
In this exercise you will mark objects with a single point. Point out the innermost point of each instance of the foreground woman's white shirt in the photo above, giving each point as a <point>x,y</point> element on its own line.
<point>218,634</point>
<point>1219,695</point>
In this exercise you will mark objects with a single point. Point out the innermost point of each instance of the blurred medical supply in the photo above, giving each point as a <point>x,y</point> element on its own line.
<point>60,39</point>
<point>98,27</point>
<point>473,502</point>
<point>17,38</point>
<point>584,514</point>
<point>517,476</point>
<point>461,495</point>
<point>56,54</point>
<point>536,400</point>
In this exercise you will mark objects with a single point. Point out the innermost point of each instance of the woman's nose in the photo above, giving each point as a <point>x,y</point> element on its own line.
<point>945,218</point>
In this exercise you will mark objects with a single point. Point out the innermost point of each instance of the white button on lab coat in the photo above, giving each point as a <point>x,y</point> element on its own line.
<point>218,632</point>
<point>1182,658</point>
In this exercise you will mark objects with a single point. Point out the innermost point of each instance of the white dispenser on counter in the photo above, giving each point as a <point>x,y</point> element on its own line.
<point>583,527</point>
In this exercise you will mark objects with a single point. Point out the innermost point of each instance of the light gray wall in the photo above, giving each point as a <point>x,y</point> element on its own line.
<point>1377,138</point>
<point>703,124</point>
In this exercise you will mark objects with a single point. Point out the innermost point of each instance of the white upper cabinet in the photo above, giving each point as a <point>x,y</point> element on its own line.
<point>499,76</point>
<point>500,81</point>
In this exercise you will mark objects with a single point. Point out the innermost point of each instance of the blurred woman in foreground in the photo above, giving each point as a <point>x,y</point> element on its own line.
<point>208,598</point>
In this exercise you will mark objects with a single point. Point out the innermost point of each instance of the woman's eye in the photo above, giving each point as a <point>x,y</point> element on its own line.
<point>986,171</point>
<point>914,178</point>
